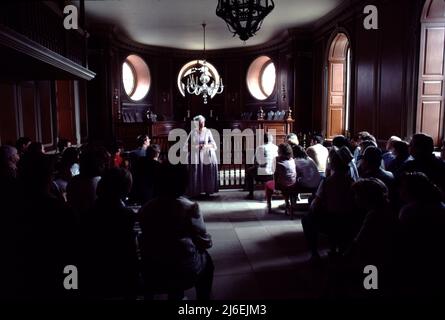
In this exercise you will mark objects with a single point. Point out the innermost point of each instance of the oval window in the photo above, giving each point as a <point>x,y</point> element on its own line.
<point>261,77</point>
<point>135,77</point>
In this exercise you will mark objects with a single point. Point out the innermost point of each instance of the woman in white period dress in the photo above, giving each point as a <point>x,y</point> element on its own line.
<point>203,162</point>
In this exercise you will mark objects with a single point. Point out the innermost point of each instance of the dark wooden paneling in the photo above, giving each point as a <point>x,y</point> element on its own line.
<point>28,110</point>
<point>8,114</point>
<point>65,110</point>
<point>392,73</point>
<point>46,113</point>
<point>383,70</point>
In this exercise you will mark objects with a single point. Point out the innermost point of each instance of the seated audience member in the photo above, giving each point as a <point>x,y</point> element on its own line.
<point>308,176</point>
<point>340,142</point>
<point>146,175</point>
<point>264,166</point>
<point>109,258</point>
<point>9,158</point>
<point>8,226</point>
<point>46,239</point>
<point>362,147</point>
<point>62,145</point>
<point>422,221</point>
<point>401,155</point>
<point>143,142</point>
<point>318,153</point>
<point>22,145</point>
<point>372,167</point>
<point>357,140</point>
<point>66,169</point>
<point>292,140</point>
<point>388,156</point>
<point>35,148</point>
<point>116,153</point>
<point>375,242</point>
<point>175,241</point>
<point>81,190</point>
<point>331,211</point>
<point>421,149</point>
<point>285,175</point>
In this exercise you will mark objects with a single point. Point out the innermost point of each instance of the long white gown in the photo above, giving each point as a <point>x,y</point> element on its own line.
<point>203,163</point>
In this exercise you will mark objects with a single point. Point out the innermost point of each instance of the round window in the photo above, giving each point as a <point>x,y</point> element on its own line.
<point>261,77</point>
<point>135,77</point>
<point>190,68</point>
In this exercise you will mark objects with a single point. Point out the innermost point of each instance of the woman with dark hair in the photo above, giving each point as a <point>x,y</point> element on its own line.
<point>342,143</point>
<point>285,176</point>
<point>308,176</point>
<point>174,240</point>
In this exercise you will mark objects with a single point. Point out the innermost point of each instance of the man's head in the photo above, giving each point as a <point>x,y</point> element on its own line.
<point>63,144</point>
<point>153,152</point>
<point>372,158</point>
<point>340,141</point>
<point>390,143</point>
<point>421,146</point>
<point>370,193</point>
<point>143,141</point>
<point>401,149</point>
<point>316,139</point>
<point>22,144</point>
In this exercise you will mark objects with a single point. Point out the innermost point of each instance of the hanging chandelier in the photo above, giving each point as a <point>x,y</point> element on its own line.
<point>244,17</point>
<point>201,80</point>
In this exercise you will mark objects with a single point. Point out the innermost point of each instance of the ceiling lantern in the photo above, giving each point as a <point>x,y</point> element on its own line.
<point>244,17</point>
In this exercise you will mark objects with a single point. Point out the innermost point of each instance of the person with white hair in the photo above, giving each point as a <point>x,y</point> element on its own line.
<point>388,156</point>
<point>203,164</point>
<point>8,161</point>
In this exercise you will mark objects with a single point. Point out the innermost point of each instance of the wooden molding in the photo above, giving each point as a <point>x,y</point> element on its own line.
<point>20,43</point>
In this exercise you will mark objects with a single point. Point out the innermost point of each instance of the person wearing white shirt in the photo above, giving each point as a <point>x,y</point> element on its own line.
<point>264,166</point>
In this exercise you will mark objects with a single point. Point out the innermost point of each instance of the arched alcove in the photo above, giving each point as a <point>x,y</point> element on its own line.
<point>338,85</point>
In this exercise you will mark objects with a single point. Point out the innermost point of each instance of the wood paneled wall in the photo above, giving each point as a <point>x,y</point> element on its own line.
<point>36,109</point>
<point>384,67</point>
<point>27,109</point>
<point>108,100</point>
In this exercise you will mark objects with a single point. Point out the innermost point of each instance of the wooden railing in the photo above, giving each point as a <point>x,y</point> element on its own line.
<point>231,175</point>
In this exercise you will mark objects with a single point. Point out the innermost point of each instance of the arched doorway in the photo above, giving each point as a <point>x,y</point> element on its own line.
<point>430,101</point>
<point>338,85</point>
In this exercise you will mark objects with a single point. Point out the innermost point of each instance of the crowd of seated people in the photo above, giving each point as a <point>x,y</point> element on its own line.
<point>376,206</point>
<point>382,208</point>
<point>389,213</point>
<point>70,208</point>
